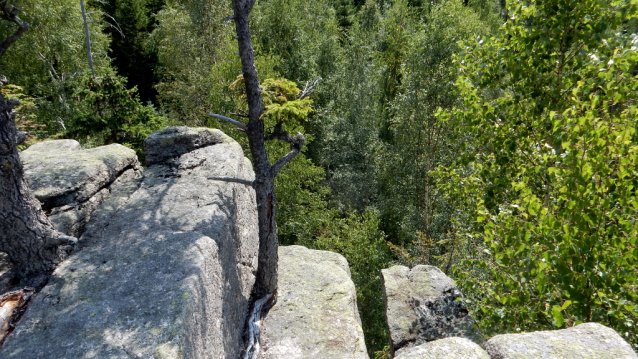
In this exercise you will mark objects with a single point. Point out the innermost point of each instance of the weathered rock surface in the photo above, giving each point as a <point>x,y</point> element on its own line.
<point>166,269</point>
<point>446,348</point>
<point>173,142</point>
<point>316,313</point>
<point>71,183</point>
<point>423,305</point>
<point>55,146</point>
<point>584,341</point>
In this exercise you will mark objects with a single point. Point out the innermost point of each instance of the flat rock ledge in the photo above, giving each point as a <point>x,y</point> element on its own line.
<point>447,348</point>
<point>166,269</point>
<point>71,183</point>
<point>316,313</point>
<point>423,305</point>
<point>584,341</point>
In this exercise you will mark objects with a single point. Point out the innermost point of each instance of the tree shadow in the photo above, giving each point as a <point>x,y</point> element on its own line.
<point>165,269</point>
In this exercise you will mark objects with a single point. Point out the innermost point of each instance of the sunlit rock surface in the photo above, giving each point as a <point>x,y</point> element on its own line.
<point>423,305</point>
<point>165,269</point>
<point>584,341</point>
<point>446,348</point>
<point>316,313</point>
<point>71,183</point>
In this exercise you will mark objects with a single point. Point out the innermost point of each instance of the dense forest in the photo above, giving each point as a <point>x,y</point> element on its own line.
<point>496,140</point>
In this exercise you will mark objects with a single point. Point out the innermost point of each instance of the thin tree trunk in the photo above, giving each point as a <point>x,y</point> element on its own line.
<point>264,182</point>
<point>87,37</point>
<point>26,234</point>
<point>264,293</point>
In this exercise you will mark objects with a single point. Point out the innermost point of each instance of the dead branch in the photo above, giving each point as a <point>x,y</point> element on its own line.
<point>229,120</point>
<point>307,90</point>
<point>10,13</point>
<point>296,144</point>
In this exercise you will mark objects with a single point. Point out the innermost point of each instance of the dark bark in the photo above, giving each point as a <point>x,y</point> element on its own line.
<point>264,172</point>
<point>26,234</point>
<point>8,12</point>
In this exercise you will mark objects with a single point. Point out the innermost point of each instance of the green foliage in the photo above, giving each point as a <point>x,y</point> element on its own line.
<point>48,61</point>
<point>416,211</point>
<point>551,103</point>
<point>131,22</point>
<point>24,116</point>
<point>191,42</point>
<point>303,213</point>
<point>112,114</point>
<point>24,113</point>
<point>347,140</point>
<point>282,103</point>
<point>305,49</point>
<point>345,12</point>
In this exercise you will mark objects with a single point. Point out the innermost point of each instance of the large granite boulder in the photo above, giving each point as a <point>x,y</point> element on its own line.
<point>170,143</point>
<point>423,305</point>
<point>165,271</point>
<point>316,313</point>
<point>446,348</point>
<point>71,183</point>
<point>589,340</point>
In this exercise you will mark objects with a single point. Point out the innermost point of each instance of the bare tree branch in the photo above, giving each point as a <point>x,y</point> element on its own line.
<point>307,90</point>
<point>10,13</point>
<point>296,144</point>
<point>229,120</point>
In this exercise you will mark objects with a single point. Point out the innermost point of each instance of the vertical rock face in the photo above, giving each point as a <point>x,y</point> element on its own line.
<point>423,305</point>
<point>166,265</point>
<point>316,313</point>
<point>584,341</point>
<point>71,183</point>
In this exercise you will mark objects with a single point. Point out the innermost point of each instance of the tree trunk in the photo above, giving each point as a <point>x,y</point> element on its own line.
<point>264,294</point>
<point>87,38</point>
<point>265,176</point>
<point>26,234</point>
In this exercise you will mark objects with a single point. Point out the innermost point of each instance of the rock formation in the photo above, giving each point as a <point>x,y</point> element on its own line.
<point>316,313</point>
<point>447,348</point>
<point>71,183</point>
<point>589,340</point>
<point>422,305</point>
<point>166,269</point>
<point>166,261</point>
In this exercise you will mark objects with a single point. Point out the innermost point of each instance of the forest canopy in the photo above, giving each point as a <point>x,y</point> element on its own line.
<point>494,139</point>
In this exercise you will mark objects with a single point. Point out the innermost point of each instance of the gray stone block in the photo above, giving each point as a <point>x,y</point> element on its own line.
<point>316,312</point>
<point>446,348</point>
<point>173,142</point>
<point>584,341</point>
<point>423,305</point>
<point>166,269</point>
<point>55,146</point>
